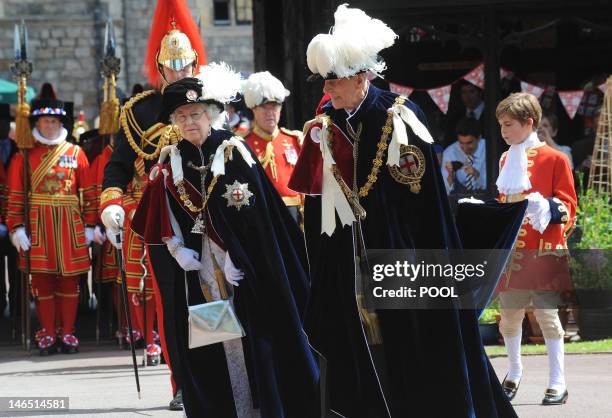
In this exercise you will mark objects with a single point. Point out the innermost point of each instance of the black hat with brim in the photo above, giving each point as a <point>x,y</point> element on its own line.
<point>48,107</point>
<point>182,92</point>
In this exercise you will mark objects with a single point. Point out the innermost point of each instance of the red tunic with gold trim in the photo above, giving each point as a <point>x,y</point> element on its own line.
<point>3,196</point>
<point>133,246</point>
<point>278,152</point>
<point>109,256</point>
<point>539,261</point>
<point>59,174</point>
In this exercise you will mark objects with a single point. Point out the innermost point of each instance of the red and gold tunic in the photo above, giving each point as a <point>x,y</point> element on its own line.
<point>109,256</point>
<point>3,196</point>
<point>59,175</point>
<point>278,153</point>
<point>539,260</point>
<point>133,246</point>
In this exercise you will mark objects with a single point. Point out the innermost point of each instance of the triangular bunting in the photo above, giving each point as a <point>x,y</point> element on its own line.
<point>504,73</point>
<point>476,76</point>
<point>441,96</point>
<point>531,88</point>
<point>571,101</point>
<point>399,89</point>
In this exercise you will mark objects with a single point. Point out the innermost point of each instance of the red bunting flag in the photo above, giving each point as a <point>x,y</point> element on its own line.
<point>399,89</point>
<point>441,96</point>
<point>531,88</point>
<point>504,73</point>
<point>571,100</point>
<point>476,76</point>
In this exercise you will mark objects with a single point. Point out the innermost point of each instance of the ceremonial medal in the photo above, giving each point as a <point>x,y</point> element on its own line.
<point>237,194</point>
<point>411,167</point>
<point>291,155</point>
<point>191,95</point>
<point>198,226</point>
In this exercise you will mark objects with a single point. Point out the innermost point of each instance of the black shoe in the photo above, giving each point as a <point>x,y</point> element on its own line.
<point>176,404</point>
<point>510,388</point>
<point>47,351</point>
<point>553,397</point>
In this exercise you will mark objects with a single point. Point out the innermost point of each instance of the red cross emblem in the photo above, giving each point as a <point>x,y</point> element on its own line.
<point>408,165</point>
<point>238,195</point>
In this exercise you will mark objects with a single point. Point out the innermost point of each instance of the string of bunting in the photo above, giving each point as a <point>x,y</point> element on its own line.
<point>572,100</point>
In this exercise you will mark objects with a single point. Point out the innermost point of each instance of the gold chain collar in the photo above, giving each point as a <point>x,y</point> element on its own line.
<point>377,162</point>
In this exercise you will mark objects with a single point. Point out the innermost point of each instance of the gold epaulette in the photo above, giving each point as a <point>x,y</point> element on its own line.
<point>294,133</point>
<point>162,133</point>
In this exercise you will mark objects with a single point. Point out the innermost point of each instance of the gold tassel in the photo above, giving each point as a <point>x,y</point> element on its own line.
<point>23,130</point>
<point>109,112</point>
<point>269,159</point>
<point>370,323</point>
<point>219,277</point>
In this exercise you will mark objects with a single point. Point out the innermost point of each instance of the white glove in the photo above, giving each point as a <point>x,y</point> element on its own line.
<point>232,274</point>
<point>538,211</point>
<point>20,240</point>
<point>98,236</point>
<point>185,257</point>
<point>3,230</point>
<point>471,199</point>
<point>113,217</point>
<point>89,235</point>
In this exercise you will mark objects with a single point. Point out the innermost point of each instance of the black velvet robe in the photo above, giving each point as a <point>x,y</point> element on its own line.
<point>267,245</point>
<point>432,362</point>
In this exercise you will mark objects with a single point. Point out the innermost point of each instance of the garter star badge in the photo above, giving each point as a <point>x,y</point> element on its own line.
<point>191,95</point>
<point>411,168</point>
<point>237,194</point>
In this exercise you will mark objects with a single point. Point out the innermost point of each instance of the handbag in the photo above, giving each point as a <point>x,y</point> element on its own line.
<point>213,322</point>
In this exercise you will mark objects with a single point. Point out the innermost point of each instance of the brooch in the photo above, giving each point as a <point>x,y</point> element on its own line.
<point>237,194</point>
<point>411,168</point>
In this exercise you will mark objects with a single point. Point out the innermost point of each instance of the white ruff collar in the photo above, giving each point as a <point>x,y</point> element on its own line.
<point>60,138</point>
<point>513,176</point>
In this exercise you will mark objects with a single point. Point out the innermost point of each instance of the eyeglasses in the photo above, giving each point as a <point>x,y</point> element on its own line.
<point>182,118</point>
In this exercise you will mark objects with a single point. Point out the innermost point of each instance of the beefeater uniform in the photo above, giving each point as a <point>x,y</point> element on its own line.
<point>59,251</point>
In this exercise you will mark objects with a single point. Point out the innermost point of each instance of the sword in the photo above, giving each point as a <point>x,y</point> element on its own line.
<point>124,298</point>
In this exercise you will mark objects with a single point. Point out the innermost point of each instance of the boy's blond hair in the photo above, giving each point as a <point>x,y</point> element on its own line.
<point>521,106</point>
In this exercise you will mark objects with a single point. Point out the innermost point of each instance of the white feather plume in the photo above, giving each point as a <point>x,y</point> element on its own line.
<point>219,82</point>
<point>353,45</point>
<point>263,86</point>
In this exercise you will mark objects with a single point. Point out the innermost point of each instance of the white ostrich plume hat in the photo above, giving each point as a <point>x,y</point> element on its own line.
<point>262,88</point>
<point>351,47</point>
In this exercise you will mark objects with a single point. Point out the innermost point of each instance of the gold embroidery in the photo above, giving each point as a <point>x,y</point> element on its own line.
<point>109,194</point>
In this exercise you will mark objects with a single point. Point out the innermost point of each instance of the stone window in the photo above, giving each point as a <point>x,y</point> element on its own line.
<point>221,12</point>
<point>244,12</point>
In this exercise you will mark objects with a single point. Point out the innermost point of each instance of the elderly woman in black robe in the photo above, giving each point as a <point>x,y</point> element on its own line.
<point>210,211</point>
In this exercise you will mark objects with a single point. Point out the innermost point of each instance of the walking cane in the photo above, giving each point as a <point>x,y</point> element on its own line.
<point>143,289</point>
<point>98,276</point>
<point>124,298</point>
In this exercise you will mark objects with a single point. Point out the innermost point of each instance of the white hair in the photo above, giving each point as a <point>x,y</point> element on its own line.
<point>212,113</point>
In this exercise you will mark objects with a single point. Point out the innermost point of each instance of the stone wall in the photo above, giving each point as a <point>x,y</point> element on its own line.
<point>66,43</point>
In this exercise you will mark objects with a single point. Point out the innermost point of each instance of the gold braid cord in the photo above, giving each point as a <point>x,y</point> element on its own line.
<point>377,162</point>
<point>129,123</point>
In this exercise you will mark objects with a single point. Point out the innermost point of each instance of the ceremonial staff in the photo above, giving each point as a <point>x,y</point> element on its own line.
<point>110,67</point>
<point>22,68</point>
<point>124,298</point>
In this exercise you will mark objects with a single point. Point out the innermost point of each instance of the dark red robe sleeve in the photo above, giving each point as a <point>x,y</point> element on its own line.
<point>151,220</point>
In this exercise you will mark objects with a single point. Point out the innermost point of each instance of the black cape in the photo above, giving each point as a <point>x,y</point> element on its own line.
<point>267,245</point>
<point>432,362</point>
